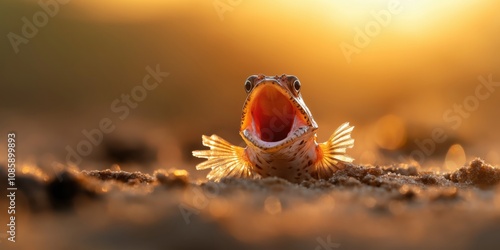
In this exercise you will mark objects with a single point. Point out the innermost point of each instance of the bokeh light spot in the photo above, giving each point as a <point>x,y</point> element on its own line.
<point>455,157</point>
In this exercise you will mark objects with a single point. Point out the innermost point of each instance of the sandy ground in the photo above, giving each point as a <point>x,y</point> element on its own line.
<point>360,207</point>
<point>433,70</point>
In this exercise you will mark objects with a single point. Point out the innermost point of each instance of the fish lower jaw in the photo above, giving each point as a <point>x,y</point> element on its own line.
<point>253,140</point>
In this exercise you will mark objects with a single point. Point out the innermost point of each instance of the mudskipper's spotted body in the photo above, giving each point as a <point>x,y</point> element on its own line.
<point>280,134</point>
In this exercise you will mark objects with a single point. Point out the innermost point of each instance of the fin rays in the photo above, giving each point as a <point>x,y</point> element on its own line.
<point>224,159</point>
<point>333,152</point>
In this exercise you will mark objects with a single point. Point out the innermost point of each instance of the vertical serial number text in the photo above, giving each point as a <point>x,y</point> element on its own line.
<point>11,188</point>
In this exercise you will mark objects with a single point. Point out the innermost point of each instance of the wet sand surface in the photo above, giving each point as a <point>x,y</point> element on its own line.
<point>360,207</point>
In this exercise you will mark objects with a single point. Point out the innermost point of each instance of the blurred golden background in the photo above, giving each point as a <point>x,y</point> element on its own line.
<point>411,64</point>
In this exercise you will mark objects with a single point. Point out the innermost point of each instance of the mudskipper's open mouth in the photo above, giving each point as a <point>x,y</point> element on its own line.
<point>273,114</point>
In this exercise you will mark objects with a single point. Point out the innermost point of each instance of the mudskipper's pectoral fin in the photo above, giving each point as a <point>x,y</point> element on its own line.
<point>332,153</point>
<point>224,159</point>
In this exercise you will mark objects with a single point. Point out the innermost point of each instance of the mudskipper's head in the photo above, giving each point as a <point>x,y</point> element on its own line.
<point>274,114</point>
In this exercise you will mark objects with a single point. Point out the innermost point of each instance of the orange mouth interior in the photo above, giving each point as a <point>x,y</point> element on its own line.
<point>273,114</point>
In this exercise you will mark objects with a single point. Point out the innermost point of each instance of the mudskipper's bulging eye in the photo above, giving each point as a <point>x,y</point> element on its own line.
<point>248,86</point>
<point>296,86</point>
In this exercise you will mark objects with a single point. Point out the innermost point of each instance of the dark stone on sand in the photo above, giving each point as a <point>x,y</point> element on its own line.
<point>65,188</point>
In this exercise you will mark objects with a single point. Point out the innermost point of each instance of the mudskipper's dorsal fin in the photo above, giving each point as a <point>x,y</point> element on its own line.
<point>332,153</point>
<point>224,159</point>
